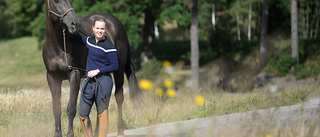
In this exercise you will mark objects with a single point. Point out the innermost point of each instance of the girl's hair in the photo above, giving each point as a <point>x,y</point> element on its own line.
<point>98,18</point>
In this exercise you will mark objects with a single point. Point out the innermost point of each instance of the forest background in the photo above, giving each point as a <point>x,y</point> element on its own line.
<point>159,29</point>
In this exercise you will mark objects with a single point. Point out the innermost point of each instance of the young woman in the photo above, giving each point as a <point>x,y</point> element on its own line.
<point>102,59</point>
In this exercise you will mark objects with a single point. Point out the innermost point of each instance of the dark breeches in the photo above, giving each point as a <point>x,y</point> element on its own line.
<point>96,90</point>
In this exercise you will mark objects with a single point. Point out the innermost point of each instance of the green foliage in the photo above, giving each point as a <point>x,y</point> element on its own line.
<point>221,39</point>
<point>282,62</point>
<point>38,27</point>
<point>18,14</point>
<point>309,65</point>
<point>226,44</point>
<point>120,9</point>
<point>308,57</point>
<point>174,51</point>
<point>175,11</point>
<point>150,70</point>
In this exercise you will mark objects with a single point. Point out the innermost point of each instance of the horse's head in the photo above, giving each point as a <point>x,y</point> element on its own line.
<point>61,10</point>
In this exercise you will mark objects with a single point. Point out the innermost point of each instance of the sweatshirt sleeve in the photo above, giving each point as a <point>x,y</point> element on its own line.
<point>79,39</point>
<point>114,63</point>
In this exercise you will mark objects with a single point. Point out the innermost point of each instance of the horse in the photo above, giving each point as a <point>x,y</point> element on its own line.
<point>65,60</point>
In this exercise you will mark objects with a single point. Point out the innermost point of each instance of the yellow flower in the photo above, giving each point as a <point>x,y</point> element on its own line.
<point>159,91</point>
<point>145,84</point>
<point>167,83</point>
<point>268,135</point>
<point>199,100</point>
<point>166,64</point>
<point>171,93</point>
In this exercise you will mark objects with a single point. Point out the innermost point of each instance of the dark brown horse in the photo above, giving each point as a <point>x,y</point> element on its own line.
<point>61,56</point>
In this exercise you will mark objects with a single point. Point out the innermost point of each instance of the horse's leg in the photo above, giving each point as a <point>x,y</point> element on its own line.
<point>118,77</point>
<point>55,88</point>
<point>74,80</point>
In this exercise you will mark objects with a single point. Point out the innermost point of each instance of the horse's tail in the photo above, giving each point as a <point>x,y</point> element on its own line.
<point>135,92</point>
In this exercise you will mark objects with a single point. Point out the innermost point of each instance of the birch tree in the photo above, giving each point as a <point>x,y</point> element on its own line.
<point>249,21</point>
<point>263,41</point>
<point>294,30</point>
<point>194,46</point>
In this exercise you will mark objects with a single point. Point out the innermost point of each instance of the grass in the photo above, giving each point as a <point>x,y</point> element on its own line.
<point>26,105</point>
<point>30,110</point>
<point>21,64</point>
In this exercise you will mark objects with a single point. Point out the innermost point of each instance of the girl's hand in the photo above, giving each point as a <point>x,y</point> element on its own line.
<point>93,73</point>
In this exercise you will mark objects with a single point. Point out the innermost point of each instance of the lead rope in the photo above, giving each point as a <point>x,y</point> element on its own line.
<point>65,47</point>
<point>63,30</point>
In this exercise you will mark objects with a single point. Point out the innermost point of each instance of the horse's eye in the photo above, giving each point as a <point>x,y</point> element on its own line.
<point>56,0</point>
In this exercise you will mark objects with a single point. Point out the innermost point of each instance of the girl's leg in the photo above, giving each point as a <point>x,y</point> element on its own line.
<point>86,102</point>
<point>84,111</point>
<point>102,101</point>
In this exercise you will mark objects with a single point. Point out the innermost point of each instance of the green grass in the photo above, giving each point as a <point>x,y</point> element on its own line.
<point>21,63</point>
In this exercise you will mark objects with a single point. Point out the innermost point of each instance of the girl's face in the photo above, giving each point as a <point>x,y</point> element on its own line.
<point>99,30</point>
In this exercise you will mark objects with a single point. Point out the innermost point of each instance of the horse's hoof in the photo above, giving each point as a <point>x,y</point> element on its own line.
<point>70,135</point>
<point>120,135</point>
<point>58,134</point>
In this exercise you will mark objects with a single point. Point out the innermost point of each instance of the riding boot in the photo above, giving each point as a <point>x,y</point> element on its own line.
<point>86,126</point>
<point>96,131</point>
<point>103,123</point>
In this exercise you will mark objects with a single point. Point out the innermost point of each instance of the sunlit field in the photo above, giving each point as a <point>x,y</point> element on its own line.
<point>28,112</point>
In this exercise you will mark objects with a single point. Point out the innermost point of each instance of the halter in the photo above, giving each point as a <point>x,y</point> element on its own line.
<point>54,13</point>
<point>63,30</point>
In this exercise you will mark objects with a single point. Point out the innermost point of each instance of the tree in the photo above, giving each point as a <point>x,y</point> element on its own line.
<point>308,16</point>
<point>263,41</point>
<point>4,20</point>
<point>194,46</point>
<point>294,30</point>
<point>249,21</point>
<point>16,16</point>
<point>151,12</point>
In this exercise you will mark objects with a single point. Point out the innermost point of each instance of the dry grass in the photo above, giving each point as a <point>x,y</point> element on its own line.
<point>28,111</point>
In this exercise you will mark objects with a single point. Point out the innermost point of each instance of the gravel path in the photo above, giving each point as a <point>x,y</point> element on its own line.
<point>267,121</point>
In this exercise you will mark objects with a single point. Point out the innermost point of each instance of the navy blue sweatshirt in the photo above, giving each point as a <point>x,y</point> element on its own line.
<point>102,55</point>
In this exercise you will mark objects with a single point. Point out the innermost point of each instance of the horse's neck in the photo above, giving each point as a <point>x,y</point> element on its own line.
<point>54,33</point>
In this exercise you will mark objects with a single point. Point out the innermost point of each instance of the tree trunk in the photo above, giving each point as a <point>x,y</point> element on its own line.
<point>213,18</point>
<point>194,46</point>
<point>263,41</point>
<point>317,18</point>
<point>148,36</point>
<point>294,30</point>
<point>249,22</point>
<point>238,21</point>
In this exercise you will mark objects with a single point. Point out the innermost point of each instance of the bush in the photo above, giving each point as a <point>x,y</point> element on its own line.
<point>282,63</point>
<point>150,70</point>
<point>308,65</point>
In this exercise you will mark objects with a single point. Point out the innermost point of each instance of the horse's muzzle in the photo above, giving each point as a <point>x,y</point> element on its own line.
<point>74,27</point>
